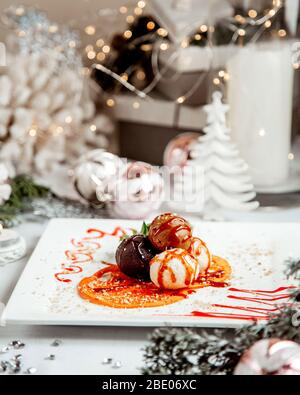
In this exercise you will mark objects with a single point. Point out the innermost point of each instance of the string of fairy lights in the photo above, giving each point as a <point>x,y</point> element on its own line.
<point>97,52</point>
<point>98,49</point>
<point>239,25</point>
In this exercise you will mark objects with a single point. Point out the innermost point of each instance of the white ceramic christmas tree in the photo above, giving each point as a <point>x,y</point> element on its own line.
<point>226,183</point>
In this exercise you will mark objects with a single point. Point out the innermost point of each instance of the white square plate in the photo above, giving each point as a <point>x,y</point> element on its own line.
<point>257,253</point>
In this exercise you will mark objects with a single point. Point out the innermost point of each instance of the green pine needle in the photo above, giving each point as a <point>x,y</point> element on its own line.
<point>145,229</point>
<point>24,190</point>
<point>185,352</point>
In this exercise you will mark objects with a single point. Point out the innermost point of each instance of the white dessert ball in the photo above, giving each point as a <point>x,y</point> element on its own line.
<point>173,269</point>
<point>201,253</point>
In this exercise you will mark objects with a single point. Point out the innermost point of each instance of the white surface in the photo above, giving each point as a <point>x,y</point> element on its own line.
<point>84,348</point>
<point>41,299</point>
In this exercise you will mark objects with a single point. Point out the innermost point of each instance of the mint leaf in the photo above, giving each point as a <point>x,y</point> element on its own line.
<point>126,236</point>
<point>145,229</point>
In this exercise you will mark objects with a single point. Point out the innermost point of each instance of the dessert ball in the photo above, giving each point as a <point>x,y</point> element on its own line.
<point>173,269</point>
<point>201,253</point>
<point>133,256</point>
<point>170,231</point>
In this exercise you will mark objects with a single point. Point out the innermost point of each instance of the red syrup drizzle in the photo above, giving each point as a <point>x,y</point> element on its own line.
<point>261,297</point>
<point>83,252</point>
<point>182,257</point>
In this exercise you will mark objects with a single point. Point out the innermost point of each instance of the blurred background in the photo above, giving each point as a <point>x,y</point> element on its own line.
<point>181,83</point>
<point>80,11</point>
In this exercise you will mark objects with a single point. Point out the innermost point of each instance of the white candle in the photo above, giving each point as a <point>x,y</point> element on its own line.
<point>260,95</point>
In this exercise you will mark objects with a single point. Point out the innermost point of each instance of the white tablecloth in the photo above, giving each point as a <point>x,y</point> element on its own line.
<point>83,349</point>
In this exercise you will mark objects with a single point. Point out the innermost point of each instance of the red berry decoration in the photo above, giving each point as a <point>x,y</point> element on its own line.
<point>170,231</point>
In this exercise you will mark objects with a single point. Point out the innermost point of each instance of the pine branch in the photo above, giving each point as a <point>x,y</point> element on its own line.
<point>183,351</point>
<point>293,270</point>
<point>24,190</point>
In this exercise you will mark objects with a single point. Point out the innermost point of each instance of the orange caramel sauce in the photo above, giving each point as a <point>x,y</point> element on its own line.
<point>110,287</point>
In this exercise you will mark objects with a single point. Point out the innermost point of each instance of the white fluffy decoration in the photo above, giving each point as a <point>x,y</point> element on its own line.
<point>47,119</point>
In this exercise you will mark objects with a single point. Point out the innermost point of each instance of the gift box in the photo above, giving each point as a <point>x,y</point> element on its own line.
<point>159,60</point>
<point>146,126</point>
<point>191,74</point>
<point>188,70</point>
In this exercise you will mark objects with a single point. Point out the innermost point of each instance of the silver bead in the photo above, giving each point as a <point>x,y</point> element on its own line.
<point>3,366</point>
<point>31,370</point>
<point>107,361</point>
<point>117,365</point>
<point>51,357</point>
<point>17,344</point>
<point>4,350</point>
<point>14,367</point>
<point>56,343</point>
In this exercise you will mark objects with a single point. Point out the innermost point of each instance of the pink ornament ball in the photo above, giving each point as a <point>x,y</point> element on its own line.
<point>138,192</point>
<point>270,357</point>
<point>178,151</point>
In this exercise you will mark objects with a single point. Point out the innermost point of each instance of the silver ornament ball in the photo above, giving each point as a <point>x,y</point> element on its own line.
<point>93,174</point>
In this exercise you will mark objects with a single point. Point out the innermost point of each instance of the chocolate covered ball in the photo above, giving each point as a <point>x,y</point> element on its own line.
<point>170,231</point>
<point>134,255</point>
